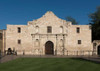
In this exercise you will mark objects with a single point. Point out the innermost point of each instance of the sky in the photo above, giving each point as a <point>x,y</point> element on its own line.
<point>19,12</point>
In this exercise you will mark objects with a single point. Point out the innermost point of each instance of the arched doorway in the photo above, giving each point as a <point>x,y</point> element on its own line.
<point>9,52</point>
<point>98,50</point>
<point>49,48</point>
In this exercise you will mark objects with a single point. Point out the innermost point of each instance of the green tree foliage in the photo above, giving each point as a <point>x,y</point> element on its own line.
<point>95,23</point>
<point>69,18</point>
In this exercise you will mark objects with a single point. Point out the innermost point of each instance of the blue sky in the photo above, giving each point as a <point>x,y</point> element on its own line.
<point>22,11</point>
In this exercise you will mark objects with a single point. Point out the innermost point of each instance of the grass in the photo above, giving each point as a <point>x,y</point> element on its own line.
<point>49,64</point>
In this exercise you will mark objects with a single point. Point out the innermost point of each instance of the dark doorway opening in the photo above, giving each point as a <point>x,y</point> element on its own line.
<point>98,50</point>
<point>9,52</point>
<point>49,48</point>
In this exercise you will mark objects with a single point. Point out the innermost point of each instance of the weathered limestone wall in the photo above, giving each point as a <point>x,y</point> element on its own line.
<point>64,37</point>
<point>12,37</point>
<point>85,37</point>
<point>2,40</point>
<point>96,44</point>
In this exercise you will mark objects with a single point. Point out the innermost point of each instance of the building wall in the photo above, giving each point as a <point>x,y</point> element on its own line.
<point>13,36</point>
<point>96,44</point>
<point>84,36</point>
<point>34,35</point>
<point>2,40</point>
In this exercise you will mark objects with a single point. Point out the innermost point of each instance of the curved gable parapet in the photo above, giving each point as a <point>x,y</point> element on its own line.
<point>49,18</point>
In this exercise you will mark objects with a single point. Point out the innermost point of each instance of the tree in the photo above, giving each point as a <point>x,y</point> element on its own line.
<point>69,18</point>
<point>95,23</point>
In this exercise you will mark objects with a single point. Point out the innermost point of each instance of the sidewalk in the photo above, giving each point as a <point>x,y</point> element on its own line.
<point>12,57</point>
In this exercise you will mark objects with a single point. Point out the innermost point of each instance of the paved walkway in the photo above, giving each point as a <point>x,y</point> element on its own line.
<point>12,57</point>
<point>8,58</point>
<point>93,59</point>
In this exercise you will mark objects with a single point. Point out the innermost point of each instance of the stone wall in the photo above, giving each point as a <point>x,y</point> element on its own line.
<point>2,40</point>
<point>34,35</point>
<point>96,43</point>
<point>84,36</point>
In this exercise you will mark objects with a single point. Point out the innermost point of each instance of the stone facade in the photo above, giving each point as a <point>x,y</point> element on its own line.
<point>67,39</point>
<point>2,40</point>
<point>96,47</point>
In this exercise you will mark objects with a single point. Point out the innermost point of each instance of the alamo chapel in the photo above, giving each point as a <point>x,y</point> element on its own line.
<point>48,35</point>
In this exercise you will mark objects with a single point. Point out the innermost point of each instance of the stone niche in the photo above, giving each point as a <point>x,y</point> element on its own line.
<point>96,47</point>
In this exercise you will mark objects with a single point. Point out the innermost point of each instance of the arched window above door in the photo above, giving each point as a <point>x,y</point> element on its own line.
<point>37,29</point>
<point>61,29</point>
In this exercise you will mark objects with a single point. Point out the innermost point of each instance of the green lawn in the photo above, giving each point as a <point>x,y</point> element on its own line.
<point>49,64</point>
